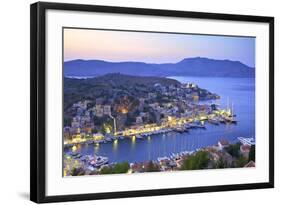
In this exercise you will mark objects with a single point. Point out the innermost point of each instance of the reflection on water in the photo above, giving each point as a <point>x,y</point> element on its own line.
<point>133,141</point>
<point>96,148</point>
<point>115,145</point>
<point>239,91</point>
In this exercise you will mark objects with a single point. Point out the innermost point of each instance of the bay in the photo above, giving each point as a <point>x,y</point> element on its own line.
<point>237,91</point>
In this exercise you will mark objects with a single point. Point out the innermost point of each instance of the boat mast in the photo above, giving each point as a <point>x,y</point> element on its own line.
<point>232,110</point>
<point>227,103</point>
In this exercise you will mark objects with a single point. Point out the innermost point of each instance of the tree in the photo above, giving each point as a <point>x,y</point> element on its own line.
<point>221,164</point>
<point>241,161</point>
<point>77,171</point>
<point>234,150</point>
<point>198,161</point>
<point>118,168</point>
<point>122,167</point>
<point>252,153</point>
<point>107,127</point>
<point>67,120</point>
<point>152,117</point>
<point>130,120</point>
<point>106,170</point>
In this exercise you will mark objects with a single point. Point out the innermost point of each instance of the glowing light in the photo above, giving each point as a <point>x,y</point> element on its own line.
<point>74,148</point>
<point>64,172</point>
<point>124,111</point>
<point>98,136</point>
<point>115,144</point>
<point>133,139</point>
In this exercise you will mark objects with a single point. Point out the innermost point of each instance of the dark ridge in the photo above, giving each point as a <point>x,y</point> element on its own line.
<point>198,66</point>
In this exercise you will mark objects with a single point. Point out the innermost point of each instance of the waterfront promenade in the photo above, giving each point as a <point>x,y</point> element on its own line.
<point>171,124</point>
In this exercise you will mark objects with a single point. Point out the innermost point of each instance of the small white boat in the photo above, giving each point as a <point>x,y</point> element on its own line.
<point>163,159</point>
<point>99,161</point>
<point>108,139</point>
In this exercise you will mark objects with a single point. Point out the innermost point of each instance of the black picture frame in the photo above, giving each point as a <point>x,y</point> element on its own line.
<point>38,100</point>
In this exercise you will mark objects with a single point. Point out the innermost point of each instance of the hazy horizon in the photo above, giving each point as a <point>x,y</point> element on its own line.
<point>132,61</point>
<point>158,48</point>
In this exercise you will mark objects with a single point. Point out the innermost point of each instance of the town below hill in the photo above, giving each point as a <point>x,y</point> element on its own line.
<point>130,99</point>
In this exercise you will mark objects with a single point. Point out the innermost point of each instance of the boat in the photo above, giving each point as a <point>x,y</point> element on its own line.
<point>179,130</point>
<point>247,141</point>
<point>84,158</point>
<point>175,156</point>
<point>76,156</point>
<point>213,121</point>
<point>197,126</point>
<point>222,120</point>
<point>187,126</point>
<point>201,126</point>
<point>99,161</point>
<point>230,120</point>
<point>139,137</point>
<point>89,142</point>
<point>108,139</point>
<point>160,159</point>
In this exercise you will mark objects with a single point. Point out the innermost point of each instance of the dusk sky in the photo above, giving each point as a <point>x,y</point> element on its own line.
<point>119,46</point>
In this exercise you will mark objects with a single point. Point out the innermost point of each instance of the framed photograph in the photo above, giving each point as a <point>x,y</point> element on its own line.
<point>129,102</point>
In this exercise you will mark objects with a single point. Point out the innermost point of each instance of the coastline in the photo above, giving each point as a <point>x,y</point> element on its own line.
<point>109,147</point>
<point>218,155</point>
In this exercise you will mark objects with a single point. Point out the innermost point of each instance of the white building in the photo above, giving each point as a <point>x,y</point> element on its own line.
<point>223,144</point>
<point>107,110</point>
<point>139,120</point>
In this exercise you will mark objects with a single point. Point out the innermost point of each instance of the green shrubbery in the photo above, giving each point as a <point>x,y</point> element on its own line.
<point>118,168</point>
<point>199,160</point>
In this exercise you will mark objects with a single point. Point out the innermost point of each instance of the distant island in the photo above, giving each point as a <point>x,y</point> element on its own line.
<point>198,66</point>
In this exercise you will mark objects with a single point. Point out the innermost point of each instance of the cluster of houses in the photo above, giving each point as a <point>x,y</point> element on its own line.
<point>175,161</point>
<point>176,101</point>
<point>216,153</point>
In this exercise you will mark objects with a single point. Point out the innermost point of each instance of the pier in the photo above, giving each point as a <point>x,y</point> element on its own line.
<point>184,123</point>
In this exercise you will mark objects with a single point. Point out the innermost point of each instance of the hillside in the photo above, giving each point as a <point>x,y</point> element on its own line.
<point>130,95</point>
<point>187,67</point>
<point>110,85</point>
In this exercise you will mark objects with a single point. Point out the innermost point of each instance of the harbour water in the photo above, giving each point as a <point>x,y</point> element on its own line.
<point>239,91</point>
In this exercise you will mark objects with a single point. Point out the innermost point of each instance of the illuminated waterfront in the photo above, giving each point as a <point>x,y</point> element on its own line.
<point>238,90</point>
